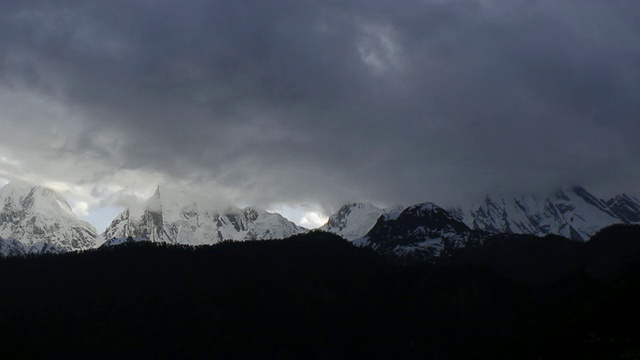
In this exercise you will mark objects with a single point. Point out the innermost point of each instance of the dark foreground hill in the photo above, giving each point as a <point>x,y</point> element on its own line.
<point>315,296</point>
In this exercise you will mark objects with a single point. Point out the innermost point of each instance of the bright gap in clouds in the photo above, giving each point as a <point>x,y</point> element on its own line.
<point>313,220</point>
<point>309,216</point>
<point>101,217</point>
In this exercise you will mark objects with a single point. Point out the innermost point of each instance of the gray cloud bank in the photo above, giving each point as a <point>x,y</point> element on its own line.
<point>326,101</point>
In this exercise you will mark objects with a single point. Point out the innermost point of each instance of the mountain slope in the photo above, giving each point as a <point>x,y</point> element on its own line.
<point>573,213</point>
<point>42,220</point>
<point>625,208</point>
<point>11,247</point>
<point>353,221</point>
<point>161,219</point>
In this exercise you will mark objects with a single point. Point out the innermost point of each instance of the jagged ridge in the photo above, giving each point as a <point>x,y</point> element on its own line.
<point>161,220</point>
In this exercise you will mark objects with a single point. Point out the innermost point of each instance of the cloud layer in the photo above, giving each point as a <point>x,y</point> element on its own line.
<point>308,102</point>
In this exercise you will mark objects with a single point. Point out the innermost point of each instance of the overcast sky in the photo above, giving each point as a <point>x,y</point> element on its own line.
<point>300,106</point>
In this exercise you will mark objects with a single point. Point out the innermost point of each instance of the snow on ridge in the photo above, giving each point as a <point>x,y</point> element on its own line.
<point>392,213</point>
<point>354,220</point>
<point>36,198</point>
<point>425,207</point>
<point>571,212</point>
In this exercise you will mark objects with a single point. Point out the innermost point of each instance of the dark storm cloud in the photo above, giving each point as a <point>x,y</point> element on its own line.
<point>341,100</point>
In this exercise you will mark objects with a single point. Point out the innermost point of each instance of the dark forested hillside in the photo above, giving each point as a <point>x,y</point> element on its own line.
<point>315,296</point>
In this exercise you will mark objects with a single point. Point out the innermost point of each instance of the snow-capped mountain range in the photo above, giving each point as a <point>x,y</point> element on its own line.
<point>166,219</point>
<point>573,213</point>
<point>34,219</point>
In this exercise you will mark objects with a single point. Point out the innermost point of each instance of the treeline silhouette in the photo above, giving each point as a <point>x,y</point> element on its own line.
<point>315,296</point>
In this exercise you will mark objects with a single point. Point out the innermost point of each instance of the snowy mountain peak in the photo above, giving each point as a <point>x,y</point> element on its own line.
<point>421,231</point>
<point>353,221</point>
<point>340,218</point>
<point>427,207</point>
<point>42,219</point>
<point>433,216</point>
<point>154,203</point>
<point>34,198</point>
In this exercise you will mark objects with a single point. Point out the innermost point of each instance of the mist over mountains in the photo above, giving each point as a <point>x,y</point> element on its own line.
<point>193,223</point>
<point>39,220</point>
<point>479,117</point>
